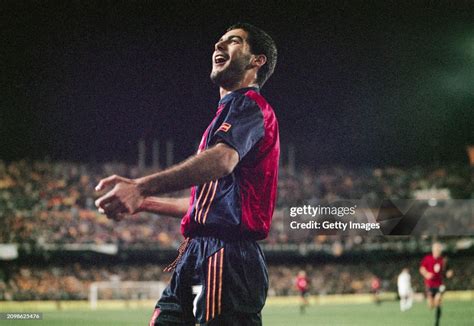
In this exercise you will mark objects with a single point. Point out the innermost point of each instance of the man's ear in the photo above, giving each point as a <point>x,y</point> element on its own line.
<point>259,60</point>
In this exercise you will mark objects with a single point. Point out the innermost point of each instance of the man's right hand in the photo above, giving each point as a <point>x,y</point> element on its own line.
<point>429,275</point>
<point>124,198</point>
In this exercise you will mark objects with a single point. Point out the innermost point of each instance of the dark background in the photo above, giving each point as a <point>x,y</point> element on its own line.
<point>357,83</point>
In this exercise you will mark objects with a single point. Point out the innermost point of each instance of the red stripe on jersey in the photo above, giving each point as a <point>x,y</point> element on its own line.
<point>258,189</point>
<point>210,203</point>
<point>185,221</point>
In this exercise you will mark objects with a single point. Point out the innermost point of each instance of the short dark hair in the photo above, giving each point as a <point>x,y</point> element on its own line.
<point>260,43</point>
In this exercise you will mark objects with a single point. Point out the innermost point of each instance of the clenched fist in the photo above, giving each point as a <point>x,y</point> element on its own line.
<point>124,198</point>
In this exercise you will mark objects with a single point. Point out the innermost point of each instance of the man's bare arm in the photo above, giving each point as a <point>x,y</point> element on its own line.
<point>128,195</point>
<point>209,165</point>
<point>175,207</point>
<point>425,273</point>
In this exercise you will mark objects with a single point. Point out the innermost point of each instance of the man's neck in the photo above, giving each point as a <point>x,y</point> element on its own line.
<point>224,91</point>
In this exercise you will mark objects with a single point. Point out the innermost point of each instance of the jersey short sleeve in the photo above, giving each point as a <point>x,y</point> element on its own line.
<point>243,125</point>
<point>426,262</point>
<point>423,262</point>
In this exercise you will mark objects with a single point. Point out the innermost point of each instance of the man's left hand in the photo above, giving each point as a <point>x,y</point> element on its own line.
<point>449,274</point>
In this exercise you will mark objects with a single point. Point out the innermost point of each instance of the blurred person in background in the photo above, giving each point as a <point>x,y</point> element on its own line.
<point>302,285</point>
<point>375,286</point>
<point>433,269</point>
<point>404,290</point>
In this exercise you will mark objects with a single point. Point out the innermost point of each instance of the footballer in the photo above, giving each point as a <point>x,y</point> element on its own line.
<point>433,269</point>
<point>220,276</point>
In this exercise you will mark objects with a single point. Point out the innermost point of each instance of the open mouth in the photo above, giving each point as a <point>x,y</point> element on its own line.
<point>220,59</point>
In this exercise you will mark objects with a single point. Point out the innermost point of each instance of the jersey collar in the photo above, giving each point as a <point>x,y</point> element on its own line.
<point>236,93</point>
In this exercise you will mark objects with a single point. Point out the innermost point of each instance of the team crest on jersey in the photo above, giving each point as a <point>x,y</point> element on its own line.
<point>224,127</point>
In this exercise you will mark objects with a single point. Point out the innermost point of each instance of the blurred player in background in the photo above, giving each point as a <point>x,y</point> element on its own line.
<point>302,284</point>
<point>404,290</point>
<point>433,268</point>
<point>376,285</point>
<point>220,276</point>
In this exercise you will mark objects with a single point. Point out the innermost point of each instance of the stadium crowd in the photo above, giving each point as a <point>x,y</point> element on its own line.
<point>46,202</point>
<point>53,203</point>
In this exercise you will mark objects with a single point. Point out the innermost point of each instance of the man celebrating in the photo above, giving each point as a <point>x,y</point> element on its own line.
<point>433,267</point>
<point>220,277</point>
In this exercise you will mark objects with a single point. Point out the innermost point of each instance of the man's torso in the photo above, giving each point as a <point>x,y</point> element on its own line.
<point>436,267</point>
<point>239,205</point>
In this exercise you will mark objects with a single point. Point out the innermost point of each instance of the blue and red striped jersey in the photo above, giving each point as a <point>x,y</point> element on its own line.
<point>241,204</point>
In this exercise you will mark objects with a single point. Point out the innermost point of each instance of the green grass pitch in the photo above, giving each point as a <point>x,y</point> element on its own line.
<point>388,313</point>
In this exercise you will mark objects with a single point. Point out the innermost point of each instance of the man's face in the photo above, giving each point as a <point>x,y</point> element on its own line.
<point>437,250</point>
<point>231,58</point>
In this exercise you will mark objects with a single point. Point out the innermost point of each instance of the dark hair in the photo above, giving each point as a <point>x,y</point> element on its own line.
<point>260,43</point>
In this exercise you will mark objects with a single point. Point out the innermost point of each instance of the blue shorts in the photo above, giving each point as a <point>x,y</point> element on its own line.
<point>216,282</point>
